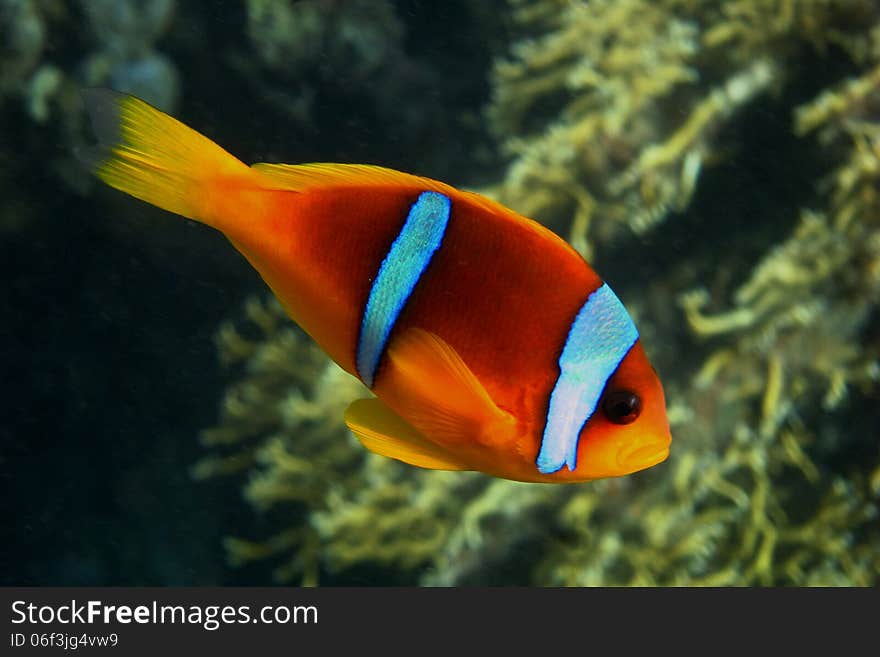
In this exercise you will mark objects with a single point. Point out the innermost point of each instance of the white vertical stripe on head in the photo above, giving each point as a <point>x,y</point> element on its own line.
<point>601,335</point>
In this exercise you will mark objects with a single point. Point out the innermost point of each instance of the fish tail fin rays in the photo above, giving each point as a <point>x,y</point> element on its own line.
<point>384,432</point>
<point>440,396</point>
<point>154,157</point>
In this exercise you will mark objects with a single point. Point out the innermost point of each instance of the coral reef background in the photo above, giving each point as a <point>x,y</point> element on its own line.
<point>719,163</point>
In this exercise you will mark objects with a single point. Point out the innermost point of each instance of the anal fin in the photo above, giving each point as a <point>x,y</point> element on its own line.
<point>384,432</point>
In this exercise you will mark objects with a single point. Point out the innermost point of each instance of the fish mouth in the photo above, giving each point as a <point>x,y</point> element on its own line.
<point>645,456</point>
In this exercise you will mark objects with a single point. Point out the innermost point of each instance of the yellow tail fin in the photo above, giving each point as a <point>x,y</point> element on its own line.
<point>156,158</point>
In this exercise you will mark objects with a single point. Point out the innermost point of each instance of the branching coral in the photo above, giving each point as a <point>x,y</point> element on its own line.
<point>813,296</point>
<point>613,110</point>
<point>607,64</point>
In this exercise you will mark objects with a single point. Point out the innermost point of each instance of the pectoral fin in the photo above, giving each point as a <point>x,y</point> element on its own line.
<point>439,395</point>
<point>384,432</point>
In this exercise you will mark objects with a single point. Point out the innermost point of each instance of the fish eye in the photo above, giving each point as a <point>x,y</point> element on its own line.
<point>622,406</point>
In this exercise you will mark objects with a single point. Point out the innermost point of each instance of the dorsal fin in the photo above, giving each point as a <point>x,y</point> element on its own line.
<point>322,175</point>
<point>325,175</point>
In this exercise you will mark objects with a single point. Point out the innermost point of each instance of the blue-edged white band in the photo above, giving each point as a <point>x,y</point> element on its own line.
<point>400,271</point>
<point>600,336</point>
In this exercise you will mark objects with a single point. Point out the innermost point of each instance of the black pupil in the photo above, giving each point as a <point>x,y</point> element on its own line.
<point>622,406</point>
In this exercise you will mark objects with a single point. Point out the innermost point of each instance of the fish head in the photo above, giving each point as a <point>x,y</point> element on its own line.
<point>629,430</point>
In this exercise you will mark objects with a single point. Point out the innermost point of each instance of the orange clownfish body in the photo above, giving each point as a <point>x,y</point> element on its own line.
<point>490,344</point>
